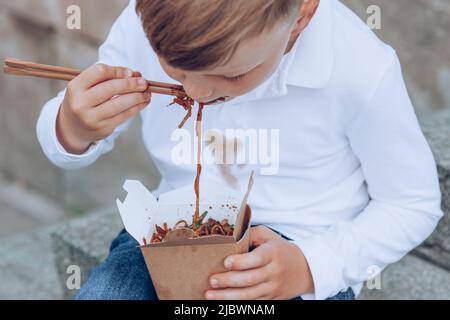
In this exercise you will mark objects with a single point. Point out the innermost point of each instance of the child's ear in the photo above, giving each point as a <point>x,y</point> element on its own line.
<point>305,14</point>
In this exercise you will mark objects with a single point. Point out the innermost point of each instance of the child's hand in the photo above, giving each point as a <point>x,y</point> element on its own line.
<point>275,269</point>
<point>96,102</point>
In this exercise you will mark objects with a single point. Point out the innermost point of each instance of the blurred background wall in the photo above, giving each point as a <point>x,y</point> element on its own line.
<point>36,30</point>
<point>420,32</point>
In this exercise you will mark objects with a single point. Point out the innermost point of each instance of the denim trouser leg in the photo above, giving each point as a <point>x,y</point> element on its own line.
<point>122,276</point>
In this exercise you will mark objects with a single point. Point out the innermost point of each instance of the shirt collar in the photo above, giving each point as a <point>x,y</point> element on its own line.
<point>309,63</point>
<point>313,52</point>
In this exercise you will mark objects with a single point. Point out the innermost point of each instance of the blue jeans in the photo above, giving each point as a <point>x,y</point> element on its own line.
<point>124,276</point>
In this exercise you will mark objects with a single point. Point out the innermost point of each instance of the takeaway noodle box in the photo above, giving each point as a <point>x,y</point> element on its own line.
<point>181,266</point>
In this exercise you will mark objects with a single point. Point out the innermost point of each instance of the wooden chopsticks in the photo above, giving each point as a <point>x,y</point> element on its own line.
<point>25,68</point>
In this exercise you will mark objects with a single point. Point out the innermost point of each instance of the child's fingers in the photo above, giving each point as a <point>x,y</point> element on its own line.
<point>98,73</point>
<point>108,89</point>
<point>260,235</point>
<point>255,259</point>
<point>239,279</point>
<point>118,105</point>
<point>114,122</point>
<point>249,293</point>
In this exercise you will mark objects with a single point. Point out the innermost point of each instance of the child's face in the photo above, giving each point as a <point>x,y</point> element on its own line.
<point>254,62</point>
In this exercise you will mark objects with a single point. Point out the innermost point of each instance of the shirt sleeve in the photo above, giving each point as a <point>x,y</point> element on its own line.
<point>402,181</point>
<point>112,52</point>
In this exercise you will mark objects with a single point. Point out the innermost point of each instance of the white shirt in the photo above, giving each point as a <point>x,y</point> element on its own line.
<point>357,186</point>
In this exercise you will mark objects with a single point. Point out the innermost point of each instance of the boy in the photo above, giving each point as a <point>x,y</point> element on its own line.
<point>356,185</point>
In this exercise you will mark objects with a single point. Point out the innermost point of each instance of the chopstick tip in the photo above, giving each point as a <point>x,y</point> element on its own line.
<point>11,62</point>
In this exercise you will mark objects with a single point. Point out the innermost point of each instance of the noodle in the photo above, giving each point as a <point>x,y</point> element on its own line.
<point>209,228</point>
<point>200,228</point>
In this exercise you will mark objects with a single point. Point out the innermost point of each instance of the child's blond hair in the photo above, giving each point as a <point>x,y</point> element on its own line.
<point>199,34</point>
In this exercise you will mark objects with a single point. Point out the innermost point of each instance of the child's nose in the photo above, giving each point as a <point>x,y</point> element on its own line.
<point>198,92</point>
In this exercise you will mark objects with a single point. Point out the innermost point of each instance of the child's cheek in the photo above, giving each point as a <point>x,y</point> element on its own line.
<point>248,83</point>
<point>239,89</point>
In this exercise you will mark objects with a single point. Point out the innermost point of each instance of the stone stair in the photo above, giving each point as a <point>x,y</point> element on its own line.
<point>411,278</point>
<point>27,268</point>
<point>437,130</point>
<point>84,243</point>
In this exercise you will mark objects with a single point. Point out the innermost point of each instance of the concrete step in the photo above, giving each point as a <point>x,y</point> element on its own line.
<point>27,268</point>
<point>24,210</point>
<point>437,131</point>
<point>411,279</point>
<point>84,243</point>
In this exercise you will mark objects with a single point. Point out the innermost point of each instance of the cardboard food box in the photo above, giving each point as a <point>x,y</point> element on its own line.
<point>181,266</point>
